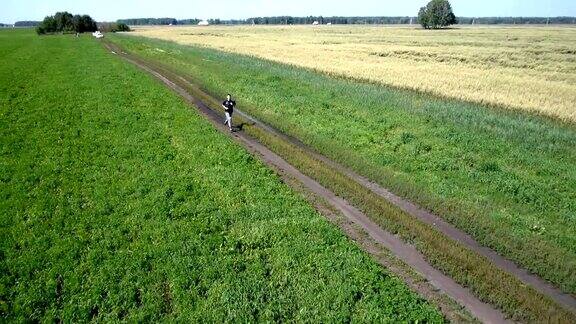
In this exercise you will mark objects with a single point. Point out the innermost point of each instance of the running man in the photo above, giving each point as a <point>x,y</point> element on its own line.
<point>229,105</point>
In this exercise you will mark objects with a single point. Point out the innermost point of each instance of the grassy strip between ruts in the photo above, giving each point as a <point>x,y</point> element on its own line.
<point>505,178</point>
<point>117,202</point>
<point>469,269</point>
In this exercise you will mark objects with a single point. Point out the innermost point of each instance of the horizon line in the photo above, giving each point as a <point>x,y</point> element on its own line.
<point>306,16</point>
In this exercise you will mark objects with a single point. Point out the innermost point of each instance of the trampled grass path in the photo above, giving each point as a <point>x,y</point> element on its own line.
<point>403,251</point>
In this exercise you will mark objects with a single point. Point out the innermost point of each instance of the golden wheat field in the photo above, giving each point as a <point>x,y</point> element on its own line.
<point>529,68</point>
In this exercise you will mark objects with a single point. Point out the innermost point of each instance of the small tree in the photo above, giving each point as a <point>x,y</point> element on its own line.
<point>437,14</point>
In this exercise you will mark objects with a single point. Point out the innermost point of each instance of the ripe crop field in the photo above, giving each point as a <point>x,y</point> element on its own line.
<point>118,202</point>
<point>507,178</point>
<point>527,68</point>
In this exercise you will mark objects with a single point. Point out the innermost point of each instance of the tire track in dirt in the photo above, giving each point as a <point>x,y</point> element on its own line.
<point>405,252</point>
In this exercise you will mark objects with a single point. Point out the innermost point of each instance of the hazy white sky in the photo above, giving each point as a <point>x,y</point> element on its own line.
<point>110,10</point>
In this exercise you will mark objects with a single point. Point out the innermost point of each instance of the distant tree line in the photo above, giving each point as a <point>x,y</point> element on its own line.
<point>112,27</point>
<point>27,23</point>
<point>288,20</point>
<point>193,21</point>
<point>516,20</point>
<point>404,20</point>
<point>280,20</point>
<point>394,20</point>
<point>151,21</point>
<point>65,22</point>
<point>376,20</point>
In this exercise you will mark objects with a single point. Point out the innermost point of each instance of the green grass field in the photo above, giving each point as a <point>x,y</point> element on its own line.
<point>507,178</point>
<point>118,202</point>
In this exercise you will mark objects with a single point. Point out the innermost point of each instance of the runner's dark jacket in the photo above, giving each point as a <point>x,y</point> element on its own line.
<point>229,104</point>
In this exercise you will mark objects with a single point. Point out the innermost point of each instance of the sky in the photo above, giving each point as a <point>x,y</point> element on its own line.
<point>111,10</point>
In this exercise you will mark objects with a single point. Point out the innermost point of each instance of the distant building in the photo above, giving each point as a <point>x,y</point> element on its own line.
<point>203,23</point>
<point>329,24</point>
<point>316,23</point>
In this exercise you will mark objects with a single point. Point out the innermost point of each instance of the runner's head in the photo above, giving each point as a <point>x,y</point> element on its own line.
<point>229,96</point>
